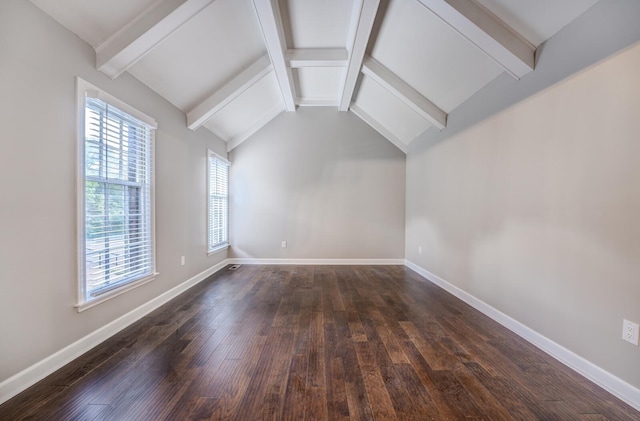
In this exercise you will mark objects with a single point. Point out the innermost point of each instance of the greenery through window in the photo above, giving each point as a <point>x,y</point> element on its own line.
<point>118,207</point>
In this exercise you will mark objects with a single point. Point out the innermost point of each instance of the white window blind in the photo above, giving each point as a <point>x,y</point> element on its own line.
<point>218,201</point>
<point>118,203</point>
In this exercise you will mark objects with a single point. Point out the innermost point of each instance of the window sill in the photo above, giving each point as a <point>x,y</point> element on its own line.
<point>218,249</point>
<point>85,305</point>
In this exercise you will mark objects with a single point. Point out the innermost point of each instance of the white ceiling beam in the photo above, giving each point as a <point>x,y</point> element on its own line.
<point>487,32</point>
<point>270,20</point>
<point>316,102</point>
<point>378,127</point>
<point>124,48</point>
<point>405,93</point>
<point>317,57</point>
<point>362,19</point>
<point>223,96</point>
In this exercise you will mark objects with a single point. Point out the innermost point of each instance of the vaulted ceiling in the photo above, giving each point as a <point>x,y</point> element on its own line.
<point>233,65</point>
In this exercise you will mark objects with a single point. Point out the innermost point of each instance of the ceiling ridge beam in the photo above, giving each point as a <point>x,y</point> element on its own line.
<point>270,20</point>
<point>128,45</point>
<point>227,93</point>
<point>375,124</point>
<point>404,92</point>
<point>362,19</point>
<point>317,57</point>
<point>487,32</point>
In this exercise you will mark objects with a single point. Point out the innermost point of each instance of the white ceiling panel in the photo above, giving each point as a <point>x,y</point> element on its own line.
<point>203,54</point>
<point>317,24</point>
<point>90,20</point>
<point>319,82</point>
<point>249,111</point>
<point>430,56</point>
<point>539,20</point>
<point>389,111</point>
<point>204,60</point>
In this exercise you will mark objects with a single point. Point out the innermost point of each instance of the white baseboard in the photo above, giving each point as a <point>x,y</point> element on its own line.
<point>253,261</point>
<point>33,374</point>
<point>614,385</point>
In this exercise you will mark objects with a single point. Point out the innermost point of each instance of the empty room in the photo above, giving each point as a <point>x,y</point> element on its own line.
<point>319,210</point>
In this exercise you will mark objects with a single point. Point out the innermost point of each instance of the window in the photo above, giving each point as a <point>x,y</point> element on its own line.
<point>218,202</point>
<point>116,207</point>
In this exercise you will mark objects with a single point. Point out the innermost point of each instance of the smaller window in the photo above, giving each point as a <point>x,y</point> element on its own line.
<point>218,202</point>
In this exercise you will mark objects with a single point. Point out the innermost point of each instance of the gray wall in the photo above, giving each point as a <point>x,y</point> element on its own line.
<point>39,61</point>
<point>323,181</point>
<point>531,202</point>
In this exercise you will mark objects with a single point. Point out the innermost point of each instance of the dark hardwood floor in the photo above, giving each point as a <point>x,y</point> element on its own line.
<point>315,342</point>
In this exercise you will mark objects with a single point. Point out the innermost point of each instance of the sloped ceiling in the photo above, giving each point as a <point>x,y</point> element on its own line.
<point>233,65</point>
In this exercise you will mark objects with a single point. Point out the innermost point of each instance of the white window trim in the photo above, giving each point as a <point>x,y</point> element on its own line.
<point>85,89</point>
<point>217,249</point>
<point>223,246</point>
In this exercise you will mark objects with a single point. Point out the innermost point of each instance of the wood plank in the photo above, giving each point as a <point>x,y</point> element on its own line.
<point>381,405</point>
<point>294,396</point>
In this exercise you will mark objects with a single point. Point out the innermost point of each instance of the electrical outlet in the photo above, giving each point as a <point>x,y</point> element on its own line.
<point>630,332</point>
<point>419,249</point>
<point>284,244</point>
<point>182,261</point>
